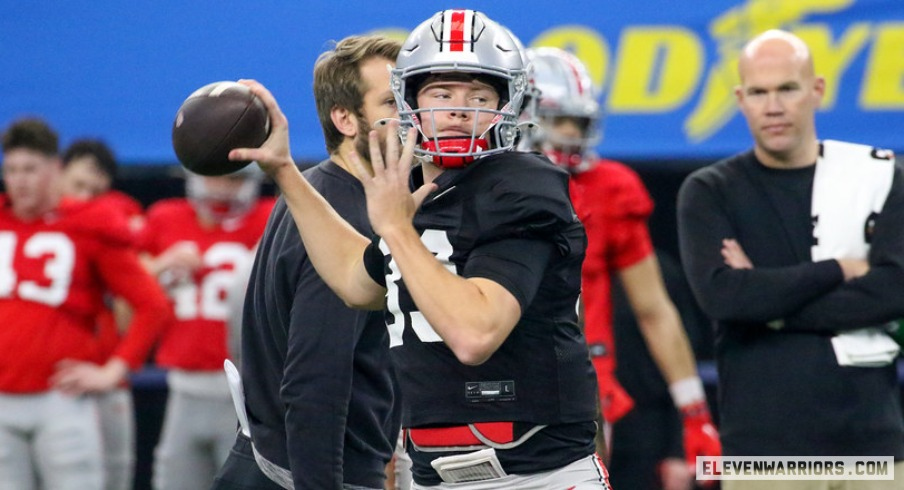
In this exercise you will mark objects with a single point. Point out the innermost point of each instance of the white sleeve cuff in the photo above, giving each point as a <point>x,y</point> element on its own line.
<point>687,391</point>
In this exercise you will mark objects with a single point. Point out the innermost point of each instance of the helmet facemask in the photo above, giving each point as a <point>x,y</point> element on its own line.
<point>222,203</point>
<point>573,152</point>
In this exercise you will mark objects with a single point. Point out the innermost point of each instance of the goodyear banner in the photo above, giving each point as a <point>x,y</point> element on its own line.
<point>119,70</point>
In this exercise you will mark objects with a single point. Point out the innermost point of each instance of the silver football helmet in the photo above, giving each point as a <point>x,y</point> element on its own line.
<point>527,117</point>
<point>461,41</point>
<point>566,91</point>
<point>224,198</point>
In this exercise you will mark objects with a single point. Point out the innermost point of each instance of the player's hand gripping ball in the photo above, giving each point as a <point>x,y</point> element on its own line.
<point>215,119</point>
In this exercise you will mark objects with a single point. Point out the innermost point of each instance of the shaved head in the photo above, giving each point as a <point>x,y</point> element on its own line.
<point>776,44</point>
<point>779,94</point>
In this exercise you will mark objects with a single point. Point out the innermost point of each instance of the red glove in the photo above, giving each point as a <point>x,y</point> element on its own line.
<point>615,402</point>
<point>700,435</point>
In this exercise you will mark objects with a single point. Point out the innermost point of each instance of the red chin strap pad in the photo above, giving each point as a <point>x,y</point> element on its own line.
<point>454,145</point>
<point>564,159</point>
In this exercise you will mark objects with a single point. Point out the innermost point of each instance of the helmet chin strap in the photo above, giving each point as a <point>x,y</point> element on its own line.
<point>569,160</point>
<point>467,146</point>
<point>454,144</point>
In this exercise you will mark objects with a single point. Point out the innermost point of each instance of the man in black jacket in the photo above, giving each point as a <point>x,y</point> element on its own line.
<point>795,248</point>
<point>317,377</point>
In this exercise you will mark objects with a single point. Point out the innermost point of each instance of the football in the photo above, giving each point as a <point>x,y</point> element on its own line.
<point>215,119</point>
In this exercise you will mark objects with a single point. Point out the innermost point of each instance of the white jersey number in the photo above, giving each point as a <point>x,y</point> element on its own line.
<point>59,253</point>
<point>209,300</point>
<point>436,242</point>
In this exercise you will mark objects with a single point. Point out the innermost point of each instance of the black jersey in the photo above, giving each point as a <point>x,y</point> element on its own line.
<point>507,218</point>
<point>317,374</point>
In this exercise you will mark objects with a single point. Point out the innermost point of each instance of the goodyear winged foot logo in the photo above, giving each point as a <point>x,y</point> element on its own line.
<point>731,31</point>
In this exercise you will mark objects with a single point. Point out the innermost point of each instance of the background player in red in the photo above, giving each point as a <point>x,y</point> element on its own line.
<point>614,206</point>
<point>195,246</point>
<point>57,259</point>
<point>89,168</point>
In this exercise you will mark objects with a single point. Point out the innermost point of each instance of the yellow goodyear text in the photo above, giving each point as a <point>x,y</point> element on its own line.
<point>666,68</point>
<point>657,69</point>
<point>883,82</point>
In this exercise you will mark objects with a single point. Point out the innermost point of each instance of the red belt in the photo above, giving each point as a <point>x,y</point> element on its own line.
<point>462,435</point>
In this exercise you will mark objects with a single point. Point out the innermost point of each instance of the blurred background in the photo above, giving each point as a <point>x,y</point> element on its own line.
<point>119,71</point>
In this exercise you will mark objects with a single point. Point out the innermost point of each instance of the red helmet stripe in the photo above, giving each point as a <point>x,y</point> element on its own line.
<point>576,75</point>
<point>457,32</point>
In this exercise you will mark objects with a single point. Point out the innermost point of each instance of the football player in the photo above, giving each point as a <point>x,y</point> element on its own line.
<point>194,246</point>
<point>478,268</point>
<point>89,168</point>
<point>59,258</point>
<point>613,204</point>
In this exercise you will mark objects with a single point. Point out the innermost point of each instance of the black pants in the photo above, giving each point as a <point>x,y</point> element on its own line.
<point>640,441</point>
<point>240,471</point>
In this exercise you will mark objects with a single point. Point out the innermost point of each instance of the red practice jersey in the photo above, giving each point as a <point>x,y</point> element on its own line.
<point>54,272</point>
<point>197,338</point>
<point>128,206</point>
<point>614,206</point>
<point>108,331</point>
